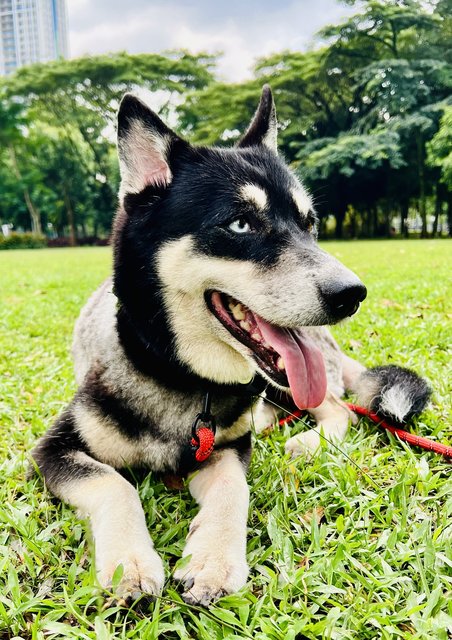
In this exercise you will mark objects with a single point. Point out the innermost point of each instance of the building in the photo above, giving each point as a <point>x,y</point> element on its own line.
<point>31,31</point>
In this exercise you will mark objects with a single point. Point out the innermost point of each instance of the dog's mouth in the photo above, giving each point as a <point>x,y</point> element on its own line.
<point>287,356</point>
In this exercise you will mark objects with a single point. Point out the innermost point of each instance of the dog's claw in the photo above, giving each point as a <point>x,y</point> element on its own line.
<point>127,593</point>
<point>188,583</point>
<point>127,601</point>
<point>204,599</point>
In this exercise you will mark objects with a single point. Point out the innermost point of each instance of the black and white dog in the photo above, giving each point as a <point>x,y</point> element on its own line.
<point>218,286</point>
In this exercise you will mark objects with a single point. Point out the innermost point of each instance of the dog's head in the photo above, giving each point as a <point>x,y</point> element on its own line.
<point>216,255</point>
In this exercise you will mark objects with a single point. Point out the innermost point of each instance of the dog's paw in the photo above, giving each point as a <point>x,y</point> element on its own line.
<point>333,418</point>
<point>208,578</point>
<point>217,567</point>
<point>264,417</point>
<point>142,574</point>
<point>306,443</point>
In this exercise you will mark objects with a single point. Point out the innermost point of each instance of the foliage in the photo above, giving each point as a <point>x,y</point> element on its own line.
<point>22,241</point>
<point>440,148</point>
<point>331,554</point>
<point>347,154</point>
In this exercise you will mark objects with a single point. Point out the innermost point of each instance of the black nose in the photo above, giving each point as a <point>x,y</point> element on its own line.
<point>342,299</point>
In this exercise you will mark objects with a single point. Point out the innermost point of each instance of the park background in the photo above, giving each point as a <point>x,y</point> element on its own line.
<point>365,119</point>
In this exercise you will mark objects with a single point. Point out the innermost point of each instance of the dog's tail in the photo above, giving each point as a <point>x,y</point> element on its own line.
<point>392,392</point>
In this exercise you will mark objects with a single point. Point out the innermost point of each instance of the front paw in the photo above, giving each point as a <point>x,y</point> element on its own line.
<point>306,443</point>
<point>217,566</point>
<point>142,573</point>
<point>208,578</point>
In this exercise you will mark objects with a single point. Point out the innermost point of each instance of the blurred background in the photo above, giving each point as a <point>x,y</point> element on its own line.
<point>362,90</point>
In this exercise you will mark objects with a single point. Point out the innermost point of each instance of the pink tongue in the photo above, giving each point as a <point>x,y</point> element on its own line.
<point>303,360</point>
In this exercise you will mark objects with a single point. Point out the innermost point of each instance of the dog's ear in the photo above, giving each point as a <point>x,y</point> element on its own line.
<point>263,127</point>
<point>144,146</point>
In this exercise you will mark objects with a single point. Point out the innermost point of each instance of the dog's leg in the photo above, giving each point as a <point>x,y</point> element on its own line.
<point>112,506</point>
<point>332,418</point>
<point>351,371</point>
<point>217,538</point>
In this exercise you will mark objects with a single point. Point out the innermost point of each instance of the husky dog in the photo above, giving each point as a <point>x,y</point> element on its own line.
<point>219,287</point>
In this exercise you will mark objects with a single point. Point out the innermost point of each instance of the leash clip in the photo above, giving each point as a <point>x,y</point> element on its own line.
<point>203,432</point>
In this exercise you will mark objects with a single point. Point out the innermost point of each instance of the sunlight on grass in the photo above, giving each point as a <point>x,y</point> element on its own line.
<point>331,556</point>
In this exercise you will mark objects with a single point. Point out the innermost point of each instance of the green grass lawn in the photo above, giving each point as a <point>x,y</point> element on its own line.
<point>332,555</point>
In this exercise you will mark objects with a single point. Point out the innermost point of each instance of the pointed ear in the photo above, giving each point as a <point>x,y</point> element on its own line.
<point>144,145</point>
<point>263,127</point>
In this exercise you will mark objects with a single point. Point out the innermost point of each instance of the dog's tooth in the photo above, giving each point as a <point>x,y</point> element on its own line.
<point>238,312</point>
<point>245,325</point>
<point>256,337</point>
<point>280,364</point>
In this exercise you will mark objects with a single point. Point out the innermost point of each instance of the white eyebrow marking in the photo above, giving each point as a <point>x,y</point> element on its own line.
<point>254,194</point>
<point>302,200</point>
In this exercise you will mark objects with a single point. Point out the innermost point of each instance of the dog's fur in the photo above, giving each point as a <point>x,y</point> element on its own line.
<point>148,345</point>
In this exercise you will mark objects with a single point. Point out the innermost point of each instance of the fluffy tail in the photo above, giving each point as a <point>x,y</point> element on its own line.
<point>392,392</point>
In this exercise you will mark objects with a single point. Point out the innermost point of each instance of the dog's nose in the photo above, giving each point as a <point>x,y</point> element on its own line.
<point>342,299</point>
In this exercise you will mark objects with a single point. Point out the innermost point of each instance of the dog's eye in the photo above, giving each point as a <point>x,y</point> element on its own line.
<point>240,225</point>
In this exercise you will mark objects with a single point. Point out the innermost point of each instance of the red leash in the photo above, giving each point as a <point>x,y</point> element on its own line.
<point>417,441</point>
<point>411,438</point>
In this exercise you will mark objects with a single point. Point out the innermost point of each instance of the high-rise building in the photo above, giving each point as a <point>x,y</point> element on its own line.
<point>31,31</point>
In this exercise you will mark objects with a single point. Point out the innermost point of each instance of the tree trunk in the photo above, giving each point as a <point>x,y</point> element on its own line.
<point>70,217</point>
<point>449,213</point>
<point>374,221</point>
<point>438,208</point>
<point>353,223</point>
<point>35,215</point>
<point>387,219</point>
<point>404,218</point>
<point>365,223</point>
<point>421,176</point>
<point>340,217</point>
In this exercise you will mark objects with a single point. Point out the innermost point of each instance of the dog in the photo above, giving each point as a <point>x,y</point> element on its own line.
<point>219,291</point>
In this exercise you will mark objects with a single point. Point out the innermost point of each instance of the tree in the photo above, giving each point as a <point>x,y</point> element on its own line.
<point>12,124</point>
<point>439,154</point>
<point>79,98</point>
<point>350,170</point>
<point>439,149</point>
<point>402,75</point>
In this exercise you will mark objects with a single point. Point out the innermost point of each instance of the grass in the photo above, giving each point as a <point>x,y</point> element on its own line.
<point>331,555</point>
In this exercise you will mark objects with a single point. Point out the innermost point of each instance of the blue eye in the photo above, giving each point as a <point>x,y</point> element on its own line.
<point>240,225</point>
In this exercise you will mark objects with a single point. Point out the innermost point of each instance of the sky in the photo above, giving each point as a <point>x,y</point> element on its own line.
<point>242,30</point>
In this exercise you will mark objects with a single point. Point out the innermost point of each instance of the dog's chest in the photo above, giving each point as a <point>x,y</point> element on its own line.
<point>137,422</point>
